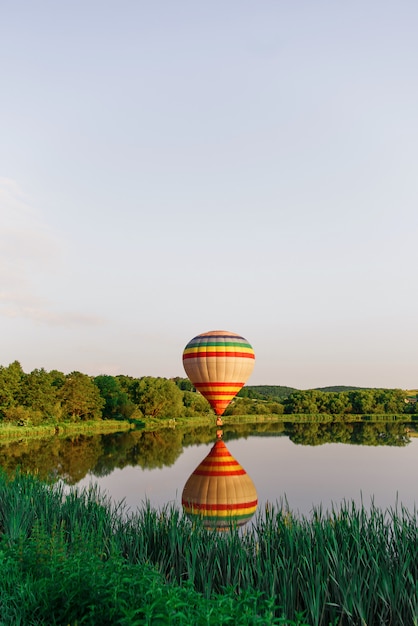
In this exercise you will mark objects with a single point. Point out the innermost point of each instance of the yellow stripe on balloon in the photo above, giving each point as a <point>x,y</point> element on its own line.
<point>197,349</point>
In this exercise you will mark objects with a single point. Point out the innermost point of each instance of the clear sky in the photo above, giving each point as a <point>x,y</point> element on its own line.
<point>170,168</point>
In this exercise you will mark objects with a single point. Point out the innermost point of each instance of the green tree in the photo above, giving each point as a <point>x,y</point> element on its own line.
<point>393,400</point>
<point>195,403</point>
<point>242,406</point>
<point>276,407</point>
<point>337,403</point>
<point>266,392</point>
<point>117,402</point>
<point>81,398</point>
<point>183,383</point>
<point>57,379</point>
<point>159,397</point>
<point>39,395</point>
<point>10,386</point>
<point>363,401</point>
<point>310,401</point>
<point>129,385</point>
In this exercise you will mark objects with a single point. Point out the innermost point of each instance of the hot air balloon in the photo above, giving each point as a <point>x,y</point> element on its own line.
<point>218,364</point>
<point>220,491</point>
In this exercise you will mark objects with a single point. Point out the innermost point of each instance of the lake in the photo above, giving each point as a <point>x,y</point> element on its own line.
<point>307,465</point>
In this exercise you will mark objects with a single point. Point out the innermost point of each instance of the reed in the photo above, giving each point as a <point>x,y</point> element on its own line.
<point>77,558</point>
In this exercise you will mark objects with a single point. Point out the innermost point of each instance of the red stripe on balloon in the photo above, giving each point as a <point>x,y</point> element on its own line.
<point>199,355</point>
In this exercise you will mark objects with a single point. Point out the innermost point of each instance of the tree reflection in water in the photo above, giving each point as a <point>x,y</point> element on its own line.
<point>71,459</point>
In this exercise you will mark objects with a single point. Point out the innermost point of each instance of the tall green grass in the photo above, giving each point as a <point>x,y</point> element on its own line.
<point>77,559</point>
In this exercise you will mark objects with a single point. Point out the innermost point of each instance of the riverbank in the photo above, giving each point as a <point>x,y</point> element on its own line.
<point>75,558</point>
<point>296,418</point>
<point>10,432</point>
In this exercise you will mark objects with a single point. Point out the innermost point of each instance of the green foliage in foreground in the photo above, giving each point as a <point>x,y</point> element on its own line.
<point>76,559</point>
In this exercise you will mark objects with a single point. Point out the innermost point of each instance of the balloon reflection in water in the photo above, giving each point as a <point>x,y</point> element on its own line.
<point>220,491</point>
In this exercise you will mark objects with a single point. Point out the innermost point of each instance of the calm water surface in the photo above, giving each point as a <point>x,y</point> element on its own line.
<point>139,466</point>
<point>305,476</point>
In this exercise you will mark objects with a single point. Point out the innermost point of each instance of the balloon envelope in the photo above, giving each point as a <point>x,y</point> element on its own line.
<point>218,363</point>
<point>220,491</point>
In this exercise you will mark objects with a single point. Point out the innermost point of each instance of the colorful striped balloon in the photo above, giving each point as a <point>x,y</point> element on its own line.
<point>218,364</point>
<point>220,491</point>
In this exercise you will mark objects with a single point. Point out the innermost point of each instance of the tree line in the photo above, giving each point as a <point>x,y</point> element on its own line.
<point>41,396</point>
<point>51,396</point>
<point>357,401</point>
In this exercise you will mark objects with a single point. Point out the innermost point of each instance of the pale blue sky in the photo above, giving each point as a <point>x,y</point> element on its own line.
<point>170,168</point>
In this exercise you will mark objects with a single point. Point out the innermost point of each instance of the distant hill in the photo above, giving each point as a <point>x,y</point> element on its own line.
<point>266,392</point>
<point>339,388</point>
<point>280,393</point>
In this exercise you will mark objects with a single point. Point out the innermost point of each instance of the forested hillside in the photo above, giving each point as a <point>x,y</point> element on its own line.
<point>280,393</point>
<point>337,400</point>
<point>338,388</point>
<point>266,392</point>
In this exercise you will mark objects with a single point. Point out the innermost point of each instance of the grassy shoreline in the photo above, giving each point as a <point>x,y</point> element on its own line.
<point>77,558</point>
<point>64,429</point>
<point>68,429</point>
